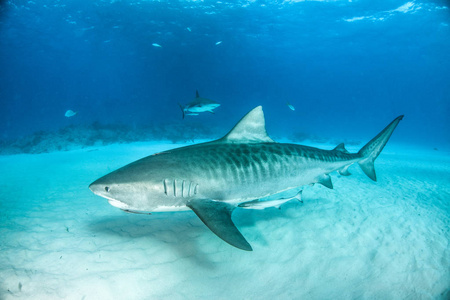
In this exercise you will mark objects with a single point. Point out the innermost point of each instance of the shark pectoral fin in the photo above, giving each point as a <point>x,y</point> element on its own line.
<point>217,216</point>
<point>210,111</point>
<point>325,180</point>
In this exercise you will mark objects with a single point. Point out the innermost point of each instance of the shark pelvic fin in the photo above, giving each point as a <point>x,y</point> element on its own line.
<point>373,148</point>
<point>182,109</point>
<point>217,216</point>
<point>325,180</point>
<point>250,129</point>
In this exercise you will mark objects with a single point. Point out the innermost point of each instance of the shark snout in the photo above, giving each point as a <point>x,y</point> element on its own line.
<point>94,187</point>
<point>102,189</point>
<point>99,188</point>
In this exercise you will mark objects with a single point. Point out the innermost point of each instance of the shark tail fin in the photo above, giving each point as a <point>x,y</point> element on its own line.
<point>373,148</point>
<point>182,109</point>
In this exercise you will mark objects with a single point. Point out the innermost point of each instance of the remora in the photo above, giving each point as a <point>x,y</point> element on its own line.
<point>241,169</point>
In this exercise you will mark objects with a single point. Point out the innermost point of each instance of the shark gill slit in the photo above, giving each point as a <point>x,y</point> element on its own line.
<point>165,186</point>
<point>189,188</point>
<point>174,187</point>
<point>196,189</point>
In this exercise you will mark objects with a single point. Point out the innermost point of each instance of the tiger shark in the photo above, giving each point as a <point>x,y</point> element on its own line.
<point>198,105</point>
<point>245,169</point>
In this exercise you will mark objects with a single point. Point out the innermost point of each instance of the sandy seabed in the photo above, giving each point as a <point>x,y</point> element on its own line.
<point>362,240</point>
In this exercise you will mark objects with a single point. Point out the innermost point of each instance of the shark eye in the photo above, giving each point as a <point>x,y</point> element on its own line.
<point>107,188</point>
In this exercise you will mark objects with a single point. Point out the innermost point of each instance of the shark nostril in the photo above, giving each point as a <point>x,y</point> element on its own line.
<point>107,188</point>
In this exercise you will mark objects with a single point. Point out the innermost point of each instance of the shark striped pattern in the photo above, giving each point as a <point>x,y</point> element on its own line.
<point>242,169</point>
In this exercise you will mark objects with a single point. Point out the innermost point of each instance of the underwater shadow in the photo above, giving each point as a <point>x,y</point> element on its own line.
<point>181,230</point>
<point>175,232</point>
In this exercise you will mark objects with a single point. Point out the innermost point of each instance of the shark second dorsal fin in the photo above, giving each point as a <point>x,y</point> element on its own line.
<point>196,94</point>
<point>341,148</point>
<point>250,129</point>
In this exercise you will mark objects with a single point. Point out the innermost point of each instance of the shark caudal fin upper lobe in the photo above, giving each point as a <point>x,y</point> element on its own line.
<point>373,148</point>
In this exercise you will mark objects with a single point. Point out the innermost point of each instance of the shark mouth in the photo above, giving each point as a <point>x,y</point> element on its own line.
<point>125,207</point>
<point>118,204</point>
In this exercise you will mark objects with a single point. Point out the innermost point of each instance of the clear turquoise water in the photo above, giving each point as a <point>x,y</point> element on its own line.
<point>348,68</point>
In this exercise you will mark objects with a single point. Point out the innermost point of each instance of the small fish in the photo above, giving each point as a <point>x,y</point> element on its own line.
<point>156,45</point>
<point>188,29</point>
<point>70,113</point>
<point>218,43</point>
<point>290,106</point>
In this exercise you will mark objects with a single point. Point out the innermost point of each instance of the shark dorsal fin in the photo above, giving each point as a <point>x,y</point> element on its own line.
<point>196,94</point>
<point>250,129</point>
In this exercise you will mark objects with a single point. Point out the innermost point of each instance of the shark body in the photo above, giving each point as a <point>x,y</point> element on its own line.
<point>242,169</point>
<point>199,105</point>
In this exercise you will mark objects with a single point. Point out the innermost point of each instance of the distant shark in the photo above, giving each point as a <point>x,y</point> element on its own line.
<point>242,169</point>
<point>198,105</point>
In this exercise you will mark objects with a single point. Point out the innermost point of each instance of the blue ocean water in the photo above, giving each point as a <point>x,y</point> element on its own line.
<point>348,67</point>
